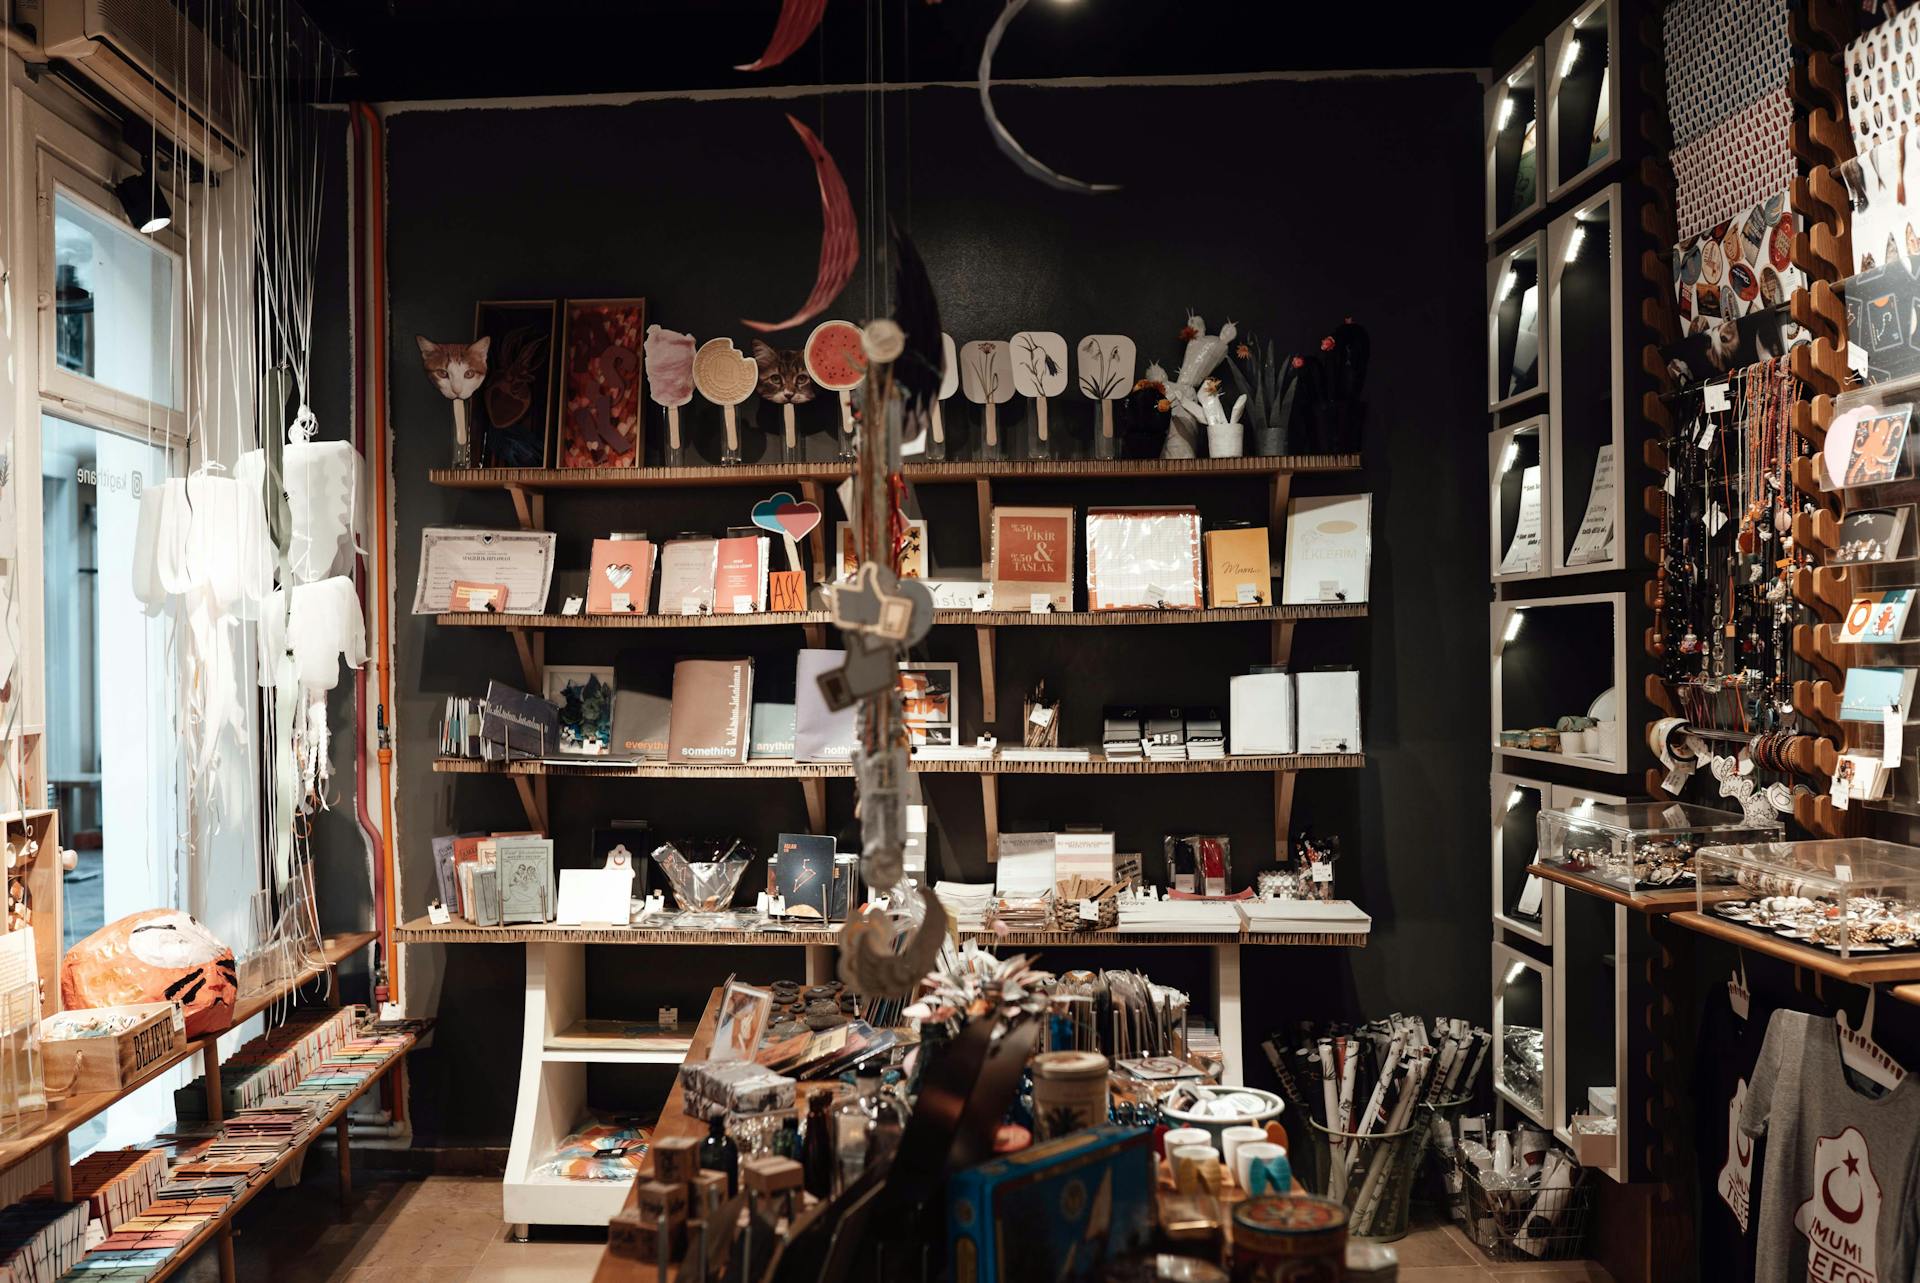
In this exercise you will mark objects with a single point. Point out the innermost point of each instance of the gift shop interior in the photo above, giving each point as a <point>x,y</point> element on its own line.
<point>962,641</point>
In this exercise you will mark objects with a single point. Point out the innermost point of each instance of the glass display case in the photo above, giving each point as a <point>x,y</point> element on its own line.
<point>1641,846</point>
<point>1516,323</point>
<point>1514,170</point>
<point>1852,897</point>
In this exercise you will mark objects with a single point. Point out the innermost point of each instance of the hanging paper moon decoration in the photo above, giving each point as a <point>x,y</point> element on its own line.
<point>1005,141</point>
<point>839,237</point>
<point>798,18</point>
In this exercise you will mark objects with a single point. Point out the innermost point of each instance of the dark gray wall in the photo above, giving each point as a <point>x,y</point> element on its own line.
<point>1285,205</point>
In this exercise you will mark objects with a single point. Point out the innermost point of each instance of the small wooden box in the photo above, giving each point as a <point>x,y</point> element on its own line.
<point>111,1062</point>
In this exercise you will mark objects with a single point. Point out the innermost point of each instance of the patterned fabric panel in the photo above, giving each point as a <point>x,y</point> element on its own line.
<point>1735,166</point>
<point>1723,56</point>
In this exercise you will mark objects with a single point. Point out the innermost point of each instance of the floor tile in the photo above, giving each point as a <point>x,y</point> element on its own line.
<point>413,1274</point>
<point>1443,1274</point>
<point>1432,1247</point>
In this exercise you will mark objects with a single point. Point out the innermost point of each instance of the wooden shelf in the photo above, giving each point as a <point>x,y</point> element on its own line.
<point>1649,902</point>
<point>600,1042</point>
<point>420,931</point>
<point>783,769</point>
<point>957,470</point>
<point>63,1116</point>
<point>1864,969</point>
<point>976,618</point>
<point>223,1221</point>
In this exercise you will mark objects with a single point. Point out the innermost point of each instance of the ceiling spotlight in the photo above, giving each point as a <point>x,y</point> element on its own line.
<point>1571,56</point>
<point>1506,112</point>
<point>145,207</point>
<point>1575,240</point>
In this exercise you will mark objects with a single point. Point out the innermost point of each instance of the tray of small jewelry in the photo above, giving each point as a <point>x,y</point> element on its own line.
<point>1639,846</point>
<point>1847,896</point>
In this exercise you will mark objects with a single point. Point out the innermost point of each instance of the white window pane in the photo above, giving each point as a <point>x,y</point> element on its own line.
<point>114,313</point>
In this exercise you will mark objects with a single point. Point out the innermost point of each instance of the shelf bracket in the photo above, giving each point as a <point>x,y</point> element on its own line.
<point>530,506</point>
<point>816,635</point>
<point>532,645</point>
<point>990,811</point>
<point>817,541</point>
<point>1282,642</point>
<point>1279,493</point>
<point>533,799</point>
<point>1282,813</point>
<point>815,789</point>
<point>989,693</point>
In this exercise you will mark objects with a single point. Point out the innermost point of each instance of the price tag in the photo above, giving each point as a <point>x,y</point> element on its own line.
<point>392,1011</point>
<point>669,1016</point>
<point>1676,780</point>
<point>1155,593</point>
<point>1246,594</point>
<point>762,902</point>
<point>1672,484</point>
<point>1714,397</point>
<point>690,606</point>
<point>1089,911</point>
<point>1838,794</point>
<point>1330,590</point>
<point>743,604</point>
<point>777,906</point>
<point>1705,440</point>
<point>1039,603</point>
<point>573,605</point>
<point>1844,872</point>
<point>1856,357</point>
<point>1715,519</point>
<point>622,602</point>
<point>656,902</point>
<point>881,903</point>
<point>1323,872</point>
<point>1893,729</point>
<point>438,915</point>
<point>1042,715</point>
<point>982,603</point>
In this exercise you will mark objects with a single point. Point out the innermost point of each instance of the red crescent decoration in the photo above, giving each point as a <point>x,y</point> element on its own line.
<point>1744,1149</point>
<point>839,238</point>
<point>798,18</point>
<point>1840,1213</point>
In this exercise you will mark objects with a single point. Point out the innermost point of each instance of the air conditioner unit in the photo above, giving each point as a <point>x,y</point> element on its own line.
<point>146,56</point>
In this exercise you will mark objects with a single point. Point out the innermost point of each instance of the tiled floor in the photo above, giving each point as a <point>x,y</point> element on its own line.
<point>447,1229</point>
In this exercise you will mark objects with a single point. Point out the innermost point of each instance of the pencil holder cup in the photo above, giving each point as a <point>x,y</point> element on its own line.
<point>1226,440</point>
<point>1372,1175</point>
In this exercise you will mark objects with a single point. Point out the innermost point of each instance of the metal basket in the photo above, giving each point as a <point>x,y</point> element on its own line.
<point>1528,1224</point>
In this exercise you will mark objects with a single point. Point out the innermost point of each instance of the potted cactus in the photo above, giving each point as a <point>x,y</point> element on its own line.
<point>1266,380</point>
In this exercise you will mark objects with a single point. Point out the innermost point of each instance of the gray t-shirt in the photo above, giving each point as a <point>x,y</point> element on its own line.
<point>1840,1203</point>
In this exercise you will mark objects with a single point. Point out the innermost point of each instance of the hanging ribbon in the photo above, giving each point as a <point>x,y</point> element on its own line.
<point>1005,141</point>
<point>839,237</point>
<point>798,18</point>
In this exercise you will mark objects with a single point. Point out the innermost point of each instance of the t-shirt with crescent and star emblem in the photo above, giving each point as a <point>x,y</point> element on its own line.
<point>1841,1200</point>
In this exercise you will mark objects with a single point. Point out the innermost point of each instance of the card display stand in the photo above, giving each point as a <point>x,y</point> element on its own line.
<point>1583,96</point>
<point>1586,387</point>
<point>1556,657</point>
<point>1516,806</point>
<point>1515,147</point>
<point>1519,500</point>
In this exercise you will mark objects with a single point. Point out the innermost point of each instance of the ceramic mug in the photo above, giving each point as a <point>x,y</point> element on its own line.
<point>1232,1138</point>
<point>1263,1154</point>
<point>1175,1137</point>
<point>1196,1169</point>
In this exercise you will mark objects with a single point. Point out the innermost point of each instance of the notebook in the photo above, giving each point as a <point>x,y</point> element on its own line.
<point>819,733</point>
<point>686,576</point>
<point>1877,618</point>
<point>620,580</point>
<point>712,700</point>
<point>1329,547</point>
<point>1032,558</point>
<point>1871,691</point>
<point>1239,567</point>
<point>642,707</point>
<point>1260,713</point>
<point>1328,717</point>
<point>740,575</point>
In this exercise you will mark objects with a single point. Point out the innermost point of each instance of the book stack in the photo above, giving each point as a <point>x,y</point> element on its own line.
<point>115,1184</point>
<point>1206,734</point>
<point>1329,917</point>
<point>1165,739</point>
<point>1121,738</point>
<point>1146,914</point>
<point>271,1064</point>
<point>40,1240</point>
<point>508,725</point>
<point>965,902</point>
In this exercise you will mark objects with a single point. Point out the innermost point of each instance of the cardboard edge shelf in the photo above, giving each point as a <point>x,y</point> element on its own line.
<point>955,470</point>
<point>63,1116</point>
<point>789,770</point>
<point>1648,902</point>
<point>1874,968</point>
<point>420,931</point>
<point>962,618</point>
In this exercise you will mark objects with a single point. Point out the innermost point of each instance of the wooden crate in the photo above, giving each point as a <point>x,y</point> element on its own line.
<point>115,1062</point>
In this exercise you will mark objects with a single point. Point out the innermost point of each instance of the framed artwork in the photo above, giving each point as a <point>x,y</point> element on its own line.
<point>516,403</point>
<point>741,1022</point>
<point>600,392</point>
<point>930,702</point>
<point>584,697</point>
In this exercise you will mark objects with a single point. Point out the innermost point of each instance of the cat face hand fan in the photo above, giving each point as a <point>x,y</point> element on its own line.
<point>785,382</point>
<point>457,370</point>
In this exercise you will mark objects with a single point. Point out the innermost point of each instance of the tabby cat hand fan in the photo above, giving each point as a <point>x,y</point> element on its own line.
<point>1039,371</point>
<point>838,362</point>
<point>986,376</point>
<point>725,378</point>
<point>785,382</point>
<point>458,370</point>
<point>670,381</point>
<point>949,384</point>
<point>1106,375</point>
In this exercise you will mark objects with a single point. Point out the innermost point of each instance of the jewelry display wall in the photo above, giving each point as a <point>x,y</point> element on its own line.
<point>1519,500</point>
<point>1586,369</point>
<point>1583,96</point>
<point>1515,147</point>
<point>1516,324</point>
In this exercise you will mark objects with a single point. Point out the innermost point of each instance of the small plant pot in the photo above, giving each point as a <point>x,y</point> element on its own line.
<point>1226,440</point>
